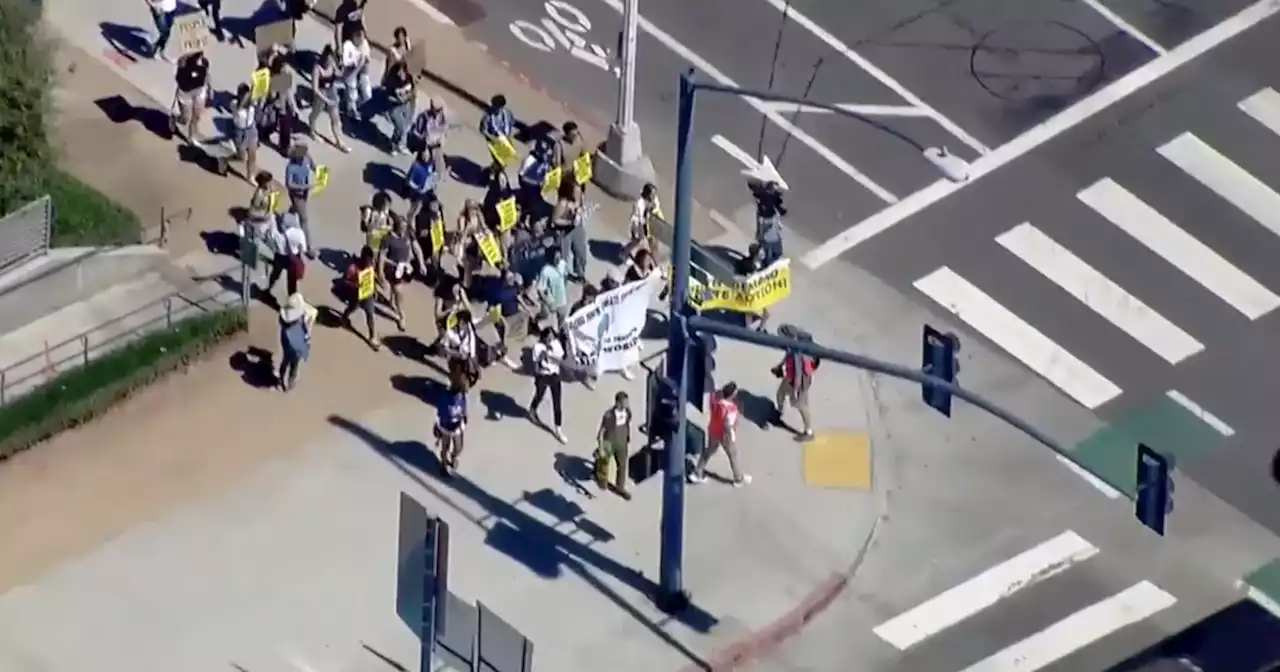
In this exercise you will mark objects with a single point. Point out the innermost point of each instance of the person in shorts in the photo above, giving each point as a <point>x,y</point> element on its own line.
<point>191,94</point>
<point>451,423</point>
<point>362,278</point>
<point>395,262</point>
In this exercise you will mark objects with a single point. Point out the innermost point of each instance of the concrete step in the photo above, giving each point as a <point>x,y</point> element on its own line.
<point>67,338</point>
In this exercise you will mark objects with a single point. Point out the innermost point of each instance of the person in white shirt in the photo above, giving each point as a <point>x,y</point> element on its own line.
<point>461,347</point>
<point>162,13</point>
<point>355,58</point>
<point>548,357</point>
<point>290,243</point>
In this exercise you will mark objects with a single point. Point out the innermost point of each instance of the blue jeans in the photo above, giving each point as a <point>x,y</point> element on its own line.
<point>573,247</point>
<point>164,26</point>
<point>401,117</point>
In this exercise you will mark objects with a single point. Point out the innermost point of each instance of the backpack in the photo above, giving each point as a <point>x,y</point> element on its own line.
<point>297,175</point>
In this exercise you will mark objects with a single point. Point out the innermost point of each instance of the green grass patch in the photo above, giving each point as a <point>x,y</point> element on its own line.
<point>85,217</point>
<point>80,395</point>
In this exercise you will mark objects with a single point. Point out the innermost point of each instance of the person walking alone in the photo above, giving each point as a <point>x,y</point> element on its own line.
<point>295,339</point>
<point>722,433</point>
<point>451,422</point>
<point>613,441</point>
<point>796,374</point>
<point>548,358</point>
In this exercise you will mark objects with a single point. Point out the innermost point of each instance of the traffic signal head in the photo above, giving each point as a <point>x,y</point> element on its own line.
<point>663,412</point>
<point>1155,488</point>
<point>939,353</point>
<point>702,367</point>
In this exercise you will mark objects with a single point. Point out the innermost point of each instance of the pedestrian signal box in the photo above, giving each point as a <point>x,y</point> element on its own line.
<point>939,355</point>
<point>1155,488</point>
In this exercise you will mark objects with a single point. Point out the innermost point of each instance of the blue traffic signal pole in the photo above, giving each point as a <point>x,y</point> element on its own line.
<point>671,596</point>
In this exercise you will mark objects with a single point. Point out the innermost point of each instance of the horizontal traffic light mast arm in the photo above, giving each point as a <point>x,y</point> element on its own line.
<point>781,98</point>
<point>700,324</point>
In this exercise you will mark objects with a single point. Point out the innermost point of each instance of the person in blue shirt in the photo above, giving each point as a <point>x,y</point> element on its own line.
<point>299,179</point>
<point>295,340</point>
<point>497,122</point>
<point>451,422</point>
<point>420,183</point>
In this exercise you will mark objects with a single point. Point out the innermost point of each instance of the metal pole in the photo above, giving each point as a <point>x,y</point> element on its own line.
<point>627,77</point>
<point>671,595</point>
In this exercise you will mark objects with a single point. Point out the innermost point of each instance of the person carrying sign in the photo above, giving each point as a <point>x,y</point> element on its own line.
<point>326,96</point>
<point>795,374</point>
<point>428,131</point>
<point>613,441</point>
<point>498,125</point>
<point>395,264</point>
<point>755,261</point>
<point>299,178</point>
<point>420,182</point>
<point>362,283</point>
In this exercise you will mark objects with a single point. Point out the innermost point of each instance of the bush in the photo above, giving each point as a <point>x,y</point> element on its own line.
<point>84,216</point>
<point>82,394</point>
<point>25,75</point>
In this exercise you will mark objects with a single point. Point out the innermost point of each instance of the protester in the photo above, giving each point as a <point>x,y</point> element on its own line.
<point>613,441</point>
<point>420,182</point>
<point>354,58</point>
<point>399,88</point>
<point>517,308</point>
<point>568,221</point>
<point>326,96</point>
<point>395,261</point>
<point>348,18</point>
<point>548,359</point>
<point>162,13</point>
<point>553,287</point>
<point>299,179</point>
<point>451,423</point>
<point>376,219</point>
<point>260,221</point>
<point>191,94</point>
<point>451,298</point>
<point>213,12</point>
<point>769,213</point>
<point>643,212</point>
<point>569,147</point>
<point>428,251</point>
<point>497,123</point>
<point>278,112</point>
<point>245,134</point>
<point>461,347</point>
<point>291,245</point>
<point>722,433</point>
<point>795,375</point>
<point>362,288</point>
<point>466,249</point>
<point>757,260</point>
<point>428,131</point>
<point>296,319</point>
<point>399,50</point>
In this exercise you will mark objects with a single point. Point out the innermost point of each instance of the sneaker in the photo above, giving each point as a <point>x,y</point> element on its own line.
<point>628,375</point>
<point>533,416</point>
<point>696,478</point>
<point>344,147</point>
<point>744,481</point>
<point>560,435</point>
<point>513,364</point>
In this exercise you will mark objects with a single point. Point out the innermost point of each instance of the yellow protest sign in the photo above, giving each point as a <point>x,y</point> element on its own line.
<point>489,248</point>
<point>376,235</point>
<point>451,320</point>
<point>551,182</point>
<point>322,179</point>
<point>582,168</point>
<point>437,234</point>
<point>508,214</point>
<point>275,202</point>
<point>260,83</point>
<point>502,150</point>
<point>495,313</point>
<point>751,294</point>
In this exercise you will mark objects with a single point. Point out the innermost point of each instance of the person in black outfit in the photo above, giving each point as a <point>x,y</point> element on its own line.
<point>213,10</point>
<point>348,17</point>
<point>191,93</point>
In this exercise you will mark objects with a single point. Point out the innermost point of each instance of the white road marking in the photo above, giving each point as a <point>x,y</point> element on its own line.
<point>1264,107</point>
<point>435,14</point>
<point>1096,291</point>
<point>1197,260</point>
<point>1262,599</point>
<point>1119,22</point>
<point>1021,340</point>
<point>1088,476</point>
<point>996,583</point>
<point>786,126</point>
<point>1234,184</point>
<point>1132,605</point>
<point>1043,132</point>
<point>864,110</point>
<point>1198,411</point>
<point>762,170</point>
<point>880,76</point>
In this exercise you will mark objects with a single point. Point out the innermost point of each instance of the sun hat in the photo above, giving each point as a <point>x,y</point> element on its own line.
<point>294,309</point>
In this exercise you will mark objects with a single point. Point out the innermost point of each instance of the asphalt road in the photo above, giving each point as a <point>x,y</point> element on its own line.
<point>1140,313</point>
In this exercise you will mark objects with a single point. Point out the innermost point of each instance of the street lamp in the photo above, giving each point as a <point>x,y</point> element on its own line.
<point>671,596</point>
<point>621,166</point>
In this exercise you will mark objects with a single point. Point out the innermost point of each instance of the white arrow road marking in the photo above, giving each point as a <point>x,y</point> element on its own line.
<point>864,110</point>
<point>762,170</point>
<point>786,126</point>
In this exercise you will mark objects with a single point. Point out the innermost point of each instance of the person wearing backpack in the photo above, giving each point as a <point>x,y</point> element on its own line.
<point>299,178</point>
<point>795,374</point>
<point>421,181</point>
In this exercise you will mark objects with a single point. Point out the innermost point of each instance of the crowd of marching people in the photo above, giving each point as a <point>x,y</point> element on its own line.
<point>501,266</point>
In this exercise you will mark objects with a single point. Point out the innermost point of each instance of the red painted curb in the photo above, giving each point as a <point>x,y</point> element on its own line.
<point>759,643</point>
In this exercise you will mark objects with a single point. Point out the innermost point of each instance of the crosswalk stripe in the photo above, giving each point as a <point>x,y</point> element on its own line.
<point>1203,265</point>
<point>1021,340</point>
<point>1225,178</point>
<point>1132,605</point>
<point>1264,107</point>
<point>982,591</point>
<point>1098,292</point>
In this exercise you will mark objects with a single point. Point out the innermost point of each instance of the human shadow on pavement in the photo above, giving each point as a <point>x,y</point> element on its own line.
<point>131,41</point>
<point>410,347</point>
<point>255,367</point>
<point>576,472</point>
<point>383,177</point>
<point>225,243</point>
<point>758,410</point>
<point>499,405</point>
<point>605,250</point>
<point>121,111</point>
<point>466,171</point>
<point>545,550</point>
<point>428,390</point>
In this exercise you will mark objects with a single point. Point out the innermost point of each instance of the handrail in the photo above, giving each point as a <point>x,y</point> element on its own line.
<point>83,338</point>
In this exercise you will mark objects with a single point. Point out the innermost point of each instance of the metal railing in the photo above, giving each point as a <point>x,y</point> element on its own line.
<point>67,355</point>
<point>26,232</point>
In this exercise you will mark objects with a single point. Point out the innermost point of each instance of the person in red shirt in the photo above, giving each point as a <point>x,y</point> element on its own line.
<point>722,433</point>
<point>796,372</point>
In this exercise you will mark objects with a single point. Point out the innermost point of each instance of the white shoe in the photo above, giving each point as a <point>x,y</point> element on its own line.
<point>696,478</point>
<point>511,362</point>
<point>560,435</point>
<point>745,481</point>
<point>628,375</point>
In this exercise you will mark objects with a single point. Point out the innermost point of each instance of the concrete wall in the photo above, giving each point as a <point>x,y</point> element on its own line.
<point>69,275</point>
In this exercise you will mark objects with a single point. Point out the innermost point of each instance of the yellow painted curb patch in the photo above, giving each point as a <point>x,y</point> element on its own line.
<point>838,460</point>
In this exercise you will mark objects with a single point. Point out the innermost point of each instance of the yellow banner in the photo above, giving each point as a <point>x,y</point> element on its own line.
<point>502,151</point>
<point>437,235</point>
<point>751,294</point>
<point>551,183</point>
<point>489,248</point>
<point>260,83</point>
<point>582,168</point>
<point>508,214</point>
<point>322,179</point>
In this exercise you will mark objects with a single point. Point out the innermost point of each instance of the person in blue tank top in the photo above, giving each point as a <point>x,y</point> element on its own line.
<point>451,422</point>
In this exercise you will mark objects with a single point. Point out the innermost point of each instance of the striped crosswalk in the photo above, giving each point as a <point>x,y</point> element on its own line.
<point>1075,276</point>
<point>1023,587</point>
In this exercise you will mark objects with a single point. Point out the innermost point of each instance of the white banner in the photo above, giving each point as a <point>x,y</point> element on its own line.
<point>605,334</point>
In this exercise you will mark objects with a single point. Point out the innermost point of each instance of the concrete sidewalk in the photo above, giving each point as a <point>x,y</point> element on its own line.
<point>277,515</point>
